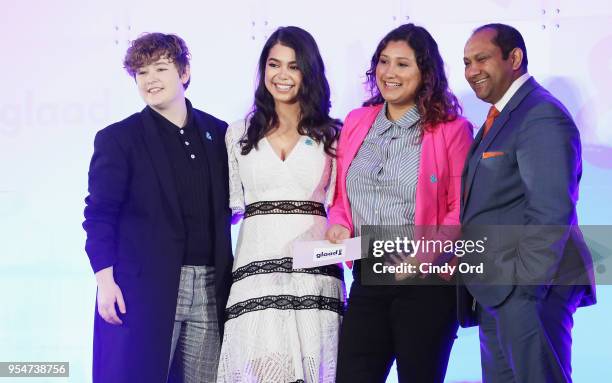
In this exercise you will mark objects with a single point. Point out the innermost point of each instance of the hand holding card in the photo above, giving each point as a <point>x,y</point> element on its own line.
<point>308,254</point>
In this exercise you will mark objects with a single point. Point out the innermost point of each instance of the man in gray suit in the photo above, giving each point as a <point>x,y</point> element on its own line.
<point>522,176</point>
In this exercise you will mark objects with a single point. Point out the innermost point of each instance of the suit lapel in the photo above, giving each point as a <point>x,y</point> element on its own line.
<point>160,161</point>
<point>468,171</point>
<point>480,144</point>
<point>500,122</point>
<point>214,149</point>
<point>359,134</point>
<point>209,137</point>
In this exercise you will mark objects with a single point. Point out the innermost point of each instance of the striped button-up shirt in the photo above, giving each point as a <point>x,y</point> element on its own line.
<point>382,179</point>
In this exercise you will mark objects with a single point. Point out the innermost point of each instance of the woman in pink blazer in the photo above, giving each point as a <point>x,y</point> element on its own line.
<point>400,159</point>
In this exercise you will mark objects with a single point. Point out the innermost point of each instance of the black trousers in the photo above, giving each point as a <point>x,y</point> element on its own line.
<point>415,325</point>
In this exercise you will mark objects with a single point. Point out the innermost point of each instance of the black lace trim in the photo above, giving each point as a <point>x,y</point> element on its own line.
<point>285,302</point>
<point>283,265</point>
<point>284,207</point>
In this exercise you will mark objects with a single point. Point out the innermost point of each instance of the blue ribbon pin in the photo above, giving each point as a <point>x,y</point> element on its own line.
<point>433,178</point>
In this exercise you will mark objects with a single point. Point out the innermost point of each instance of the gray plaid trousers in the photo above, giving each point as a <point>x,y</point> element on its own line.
<point>194,355</point>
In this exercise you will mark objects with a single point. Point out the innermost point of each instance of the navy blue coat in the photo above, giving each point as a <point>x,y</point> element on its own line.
<point>527,185</point>
<point>133,222</point>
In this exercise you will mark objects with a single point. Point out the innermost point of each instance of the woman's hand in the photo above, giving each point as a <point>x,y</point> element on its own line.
<point>398,259</point>
<point>337,233</point>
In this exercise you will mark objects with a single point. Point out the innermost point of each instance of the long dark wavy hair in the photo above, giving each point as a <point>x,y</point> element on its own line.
<point>434,100</point>
<point>313,95</point>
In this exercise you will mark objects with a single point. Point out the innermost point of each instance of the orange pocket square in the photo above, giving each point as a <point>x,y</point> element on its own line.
<point>486,155</point>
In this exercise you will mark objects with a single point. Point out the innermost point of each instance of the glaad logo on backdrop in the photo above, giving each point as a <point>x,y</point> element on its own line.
<point>35,110</point>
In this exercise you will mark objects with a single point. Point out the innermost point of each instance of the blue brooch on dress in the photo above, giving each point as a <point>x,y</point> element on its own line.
<point>433,178</point>
<point>208,136</point>
<point>308,142</point>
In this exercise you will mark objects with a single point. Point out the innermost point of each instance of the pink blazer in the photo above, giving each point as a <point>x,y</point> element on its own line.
<point>443,153</point>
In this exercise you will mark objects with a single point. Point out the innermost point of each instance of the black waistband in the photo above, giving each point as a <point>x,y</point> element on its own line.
<point>284,207</point>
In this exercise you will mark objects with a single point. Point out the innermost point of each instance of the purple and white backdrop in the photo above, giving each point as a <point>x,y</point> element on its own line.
<point>62,80</point>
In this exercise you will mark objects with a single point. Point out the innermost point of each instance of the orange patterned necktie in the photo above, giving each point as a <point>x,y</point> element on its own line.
<point>493,113</point>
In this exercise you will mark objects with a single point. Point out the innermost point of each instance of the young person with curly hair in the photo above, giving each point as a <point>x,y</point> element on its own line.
<point>157,222</point>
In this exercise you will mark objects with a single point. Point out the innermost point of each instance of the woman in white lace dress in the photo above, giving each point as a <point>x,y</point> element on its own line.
<point>282,324</point>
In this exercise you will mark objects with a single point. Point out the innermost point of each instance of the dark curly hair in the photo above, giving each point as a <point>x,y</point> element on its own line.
<point>313,95</point>
<point>434,100</point>
<point>150,47</point>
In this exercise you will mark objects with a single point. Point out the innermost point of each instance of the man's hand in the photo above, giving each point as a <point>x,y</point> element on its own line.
<point>337,233</point>
<point>109,293</point>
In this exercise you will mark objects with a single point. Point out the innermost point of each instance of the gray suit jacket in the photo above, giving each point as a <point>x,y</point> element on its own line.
<point>520,187</point>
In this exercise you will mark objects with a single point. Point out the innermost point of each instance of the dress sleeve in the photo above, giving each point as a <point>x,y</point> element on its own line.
<point>236,191</point>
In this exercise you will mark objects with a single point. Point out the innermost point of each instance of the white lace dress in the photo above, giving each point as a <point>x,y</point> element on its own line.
<point>282,324</point>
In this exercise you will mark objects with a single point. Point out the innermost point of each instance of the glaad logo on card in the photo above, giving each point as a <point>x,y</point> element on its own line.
<point>321,254</point>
